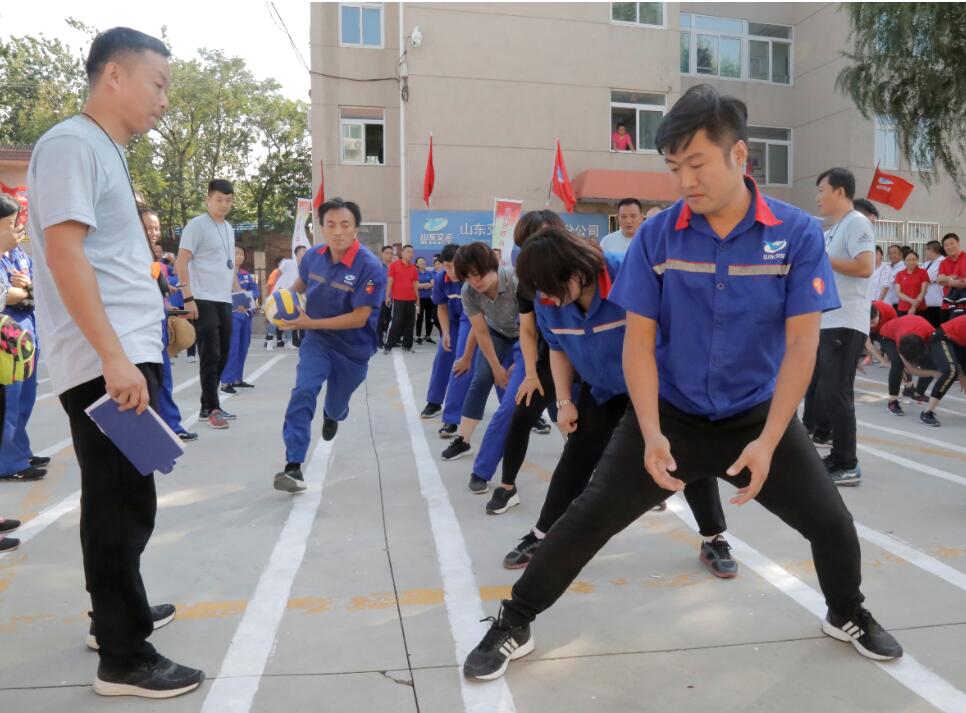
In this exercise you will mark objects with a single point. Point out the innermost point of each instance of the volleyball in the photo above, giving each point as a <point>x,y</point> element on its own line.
<point>283,305</point>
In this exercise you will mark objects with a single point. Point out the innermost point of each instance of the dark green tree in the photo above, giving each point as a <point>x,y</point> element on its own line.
<point>908,63</point>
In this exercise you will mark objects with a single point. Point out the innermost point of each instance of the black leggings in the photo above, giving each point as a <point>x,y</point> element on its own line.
<point>427,316</point>
<point>940,357</point>
<point>798,490</point>
<point>524,419</point>
<point>897,368</point>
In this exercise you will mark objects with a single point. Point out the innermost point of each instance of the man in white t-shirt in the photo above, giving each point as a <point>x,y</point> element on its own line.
<point>850,244</point>
<point>934,293</point>
<point>630,215</point>
<point>98,311</point>
<point>895,264</point>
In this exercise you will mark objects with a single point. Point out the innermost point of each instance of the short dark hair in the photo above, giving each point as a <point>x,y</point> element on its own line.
<point>839,178</point>
<point>905,250</point>
<point>553,256</point>
<point>337,204</point>
<point>912,348</point>
<point>448,253</point>
<point>222,186</point>
<point>874,311</point>
<point>947,236</point>
<point>630,201</point>
<point>385,248</point>
<point>936,247</point>
<point>408,246</point>
<point>896,246</point>
<point>8,206</point>
<point>475,258</point>
<point>532,221</point>
<point>297,248</point>
<point>909,252</point>
<point>116,41</point>
<point>147,211</point>
<point>620,124</point>
<point>724,120</point>
<point>878,249</point>
<point>864,205</point>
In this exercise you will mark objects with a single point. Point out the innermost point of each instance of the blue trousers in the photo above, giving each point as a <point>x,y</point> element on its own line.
<point>482,383</point>
<point>15,453</point>
<point>318,365</point>
<point>491,449</point>
<point>241,340</point>
<point>443,366</point>
<point>457,386</point>
<point>167,408</point>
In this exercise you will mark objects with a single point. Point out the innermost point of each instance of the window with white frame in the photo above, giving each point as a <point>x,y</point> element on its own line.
<point>735,49</point>
<point>886,144</point>
<point>363,135</point>
<point>770,155</point>
<point>373,236</point>
<point>634,118</point>
<point>361,24</point>
<point>649,14</point>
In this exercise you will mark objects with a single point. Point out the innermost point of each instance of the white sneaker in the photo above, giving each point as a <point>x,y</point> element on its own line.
<point>270,345</point>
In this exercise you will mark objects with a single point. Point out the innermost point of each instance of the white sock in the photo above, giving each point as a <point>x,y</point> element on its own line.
<point>714,537</point>
<point>539,535</point>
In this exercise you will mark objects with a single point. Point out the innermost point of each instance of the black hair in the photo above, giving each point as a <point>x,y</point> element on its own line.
<point>630,201</point>
<point>909,252</point>
<point>864,205</point>
<point>222,186</point>
<point>896,246</point>
<point>947,236</point>
<point>385,248</point>
<point>620,124</point>
<point>912,348</point>
<point>119,40</point>
<point>874,312</point>
<point>448,253</point>
<point>408,246</point>
<point>8,206</point>
<point>297,248</point>
<point>338,204</point>
<point>143,211</point>
<point>724,120</point>
<point>533,221</point>
<point>839,178</point>
<point>905,250</point>
<point>553,256</point>
<point>474,259</point>
<point>936,247</point>
<point>878,249</point>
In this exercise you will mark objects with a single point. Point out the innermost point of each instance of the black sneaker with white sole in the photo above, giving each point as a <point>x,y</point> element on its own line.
<point>161,615</point>
<point>542,426</point>
<point>431,411</point>
<point>716,556</point>
<point>895,408</point>
<point>503,499</point>
<point>448,430</point>
<point>821,441</point>
<point>457,449</point>
<point>290,480</point>
<point>478,485</point>
<point>520,556</point>
<point>228,389</point>
<point>502,644</point>
<point>929,418</point>
<point>157,677</point>
<point>864,633</point>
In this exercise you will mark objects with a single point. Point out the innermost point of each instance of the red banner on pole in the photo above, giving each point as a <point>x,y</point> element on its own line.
<point>429,179</point>
<point>890,190</point>
<point>320,194</point>
<point>560,182</point>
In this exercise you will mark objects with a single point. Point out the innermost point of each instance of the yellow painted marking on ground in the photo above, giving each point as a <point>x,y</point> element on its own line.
<point>949,552</point>
<point>212,610</point>
<point>579,587</point>
<point>539,471</point>
<point>495,594</point>
<point>311,605</point>
<point>925,450</point>
<point>618,582</point>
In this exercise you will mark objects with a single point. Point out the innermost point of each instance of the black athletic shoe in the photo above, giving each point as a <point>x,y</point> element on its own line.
<point>204,414</point>
<point>920,398</point>
<point>329,428</point>
<point>716,556</point>
<point>8,544</point>
<point>448,430</point>
<point>228,389</point>
<point>429,340</point>
<point>502,501</point>
<point>39,461</point>
<point>520,556</point>
<point>243,385</point>
<point>228,416</point>
<point>419,342</point>
<point>290,480</point>
<point>895,408</point>
<point>187,436</point>
<point>431,411</point>
<point>387,352</point>
<point>457,449</point>
<point>822,441</point>
<point>409,350</point>
<point>864,633</point>
<point>156,678</point>
<point>8,525</point>
<point>29,473</point>
<point>909,392</point>
<point>478,485</point>
<point>542,426</point>
<point>503,643</point>
<point>929,418</point>
<point>161,615</point>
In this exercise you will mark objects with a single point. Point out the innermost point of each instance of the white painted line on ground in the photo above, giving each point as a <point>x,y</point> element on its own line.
<point>912,555</point>
<point>907,671</point>
<point>244,663</point>
<point>885,397</point>
<point>906,463</point>
<point>464,609</point>
<point>886,384</point>
<point>906,434</point>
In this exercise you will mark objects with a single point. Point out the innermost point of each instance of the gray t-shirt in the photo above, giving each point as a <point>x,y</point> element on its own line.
<point>503,312</point>
<point>75,174</point>
<point>212,246</point>
<point>616,243</point>
<point>846,240</point>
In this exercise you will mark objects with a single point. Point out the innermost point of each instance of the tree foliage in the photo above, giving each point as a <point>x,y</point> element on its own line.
<point>909,65</point>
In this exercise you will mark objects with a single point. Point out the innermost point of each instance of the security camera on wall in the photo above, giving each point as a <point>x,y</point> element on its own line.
<point>417,37</point>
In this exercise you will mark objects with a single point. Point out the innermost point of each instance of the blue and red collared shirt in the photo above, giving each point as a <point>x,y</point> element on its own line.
<point>721,304</point>
<point>593,341</point>
<point>247,282</point>
<point>448,292</point>
<point>17,260</point>
<point>333,289</point>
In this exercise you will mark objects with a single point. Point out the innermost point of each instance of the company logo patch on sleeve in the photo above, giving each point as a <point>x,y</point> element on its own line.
<point>370,287</point>
<point>818,284</point>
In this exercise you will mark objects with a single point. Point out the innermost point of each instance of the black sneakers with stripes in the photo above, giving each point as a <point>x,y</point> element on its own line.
<point>864,633</point>
<point>502,644</point>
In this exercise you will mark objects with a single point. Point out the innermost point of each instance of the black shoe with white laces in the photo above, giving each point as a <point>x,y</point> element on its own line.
<point>457,449</point>
<point>290,480</point>
<point>520,556</point>
<point>542,426</point>
<point>716,556</point>
<point>503,499</point>
<point>157,677</point>
<point>161,615</point>
<point>448,430</point>
<point>864,633</point>
<point>431,411</point>
<point>502,644</point>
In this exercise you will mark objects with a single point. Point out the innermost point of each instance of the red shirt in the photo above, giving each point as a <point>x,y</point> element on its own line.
<point>954,268</point>
<point>955,331</point>
<point>911,284</point>
<point>886,314</point>
<point>403,276</point>
<point>910,324</point>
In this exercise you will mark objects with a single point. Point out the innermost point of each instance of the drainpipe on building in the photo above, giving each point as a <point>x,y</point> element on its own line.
<point>403,173</point>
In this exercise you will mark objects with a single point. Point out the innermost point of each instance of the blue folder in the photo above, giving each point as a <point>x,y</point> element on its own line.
<point>242,299</point>
<point>145,440</point>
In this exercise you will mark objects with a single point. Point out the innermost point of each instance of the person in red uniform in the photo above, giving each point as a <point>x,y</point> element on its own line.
<point>941,356</point>
<point>911,286</point>
<point>882,312</point>
<point>952,276</point>
<point>892,334</point>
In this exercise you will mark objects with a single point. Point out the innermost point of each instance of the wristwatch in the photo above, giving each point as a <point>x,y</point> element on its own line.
<point>564,402</point>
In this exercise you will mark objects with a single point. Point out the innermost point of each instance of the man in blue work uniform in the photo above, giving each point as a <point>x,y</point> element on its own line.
<point>232,378</point>
<point>17,460</point>
<point>446,296</point>
<point>584,330</point>
<point>735,284</point>
<point>343,284</point>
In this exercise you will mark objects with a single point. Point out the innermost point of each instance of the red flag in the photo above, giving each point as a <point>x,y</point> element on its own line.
<point>889,189</point>
<point>19,194</point>
<point>560,182</point>
<point>320,194</point>
<point>429,180</point>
